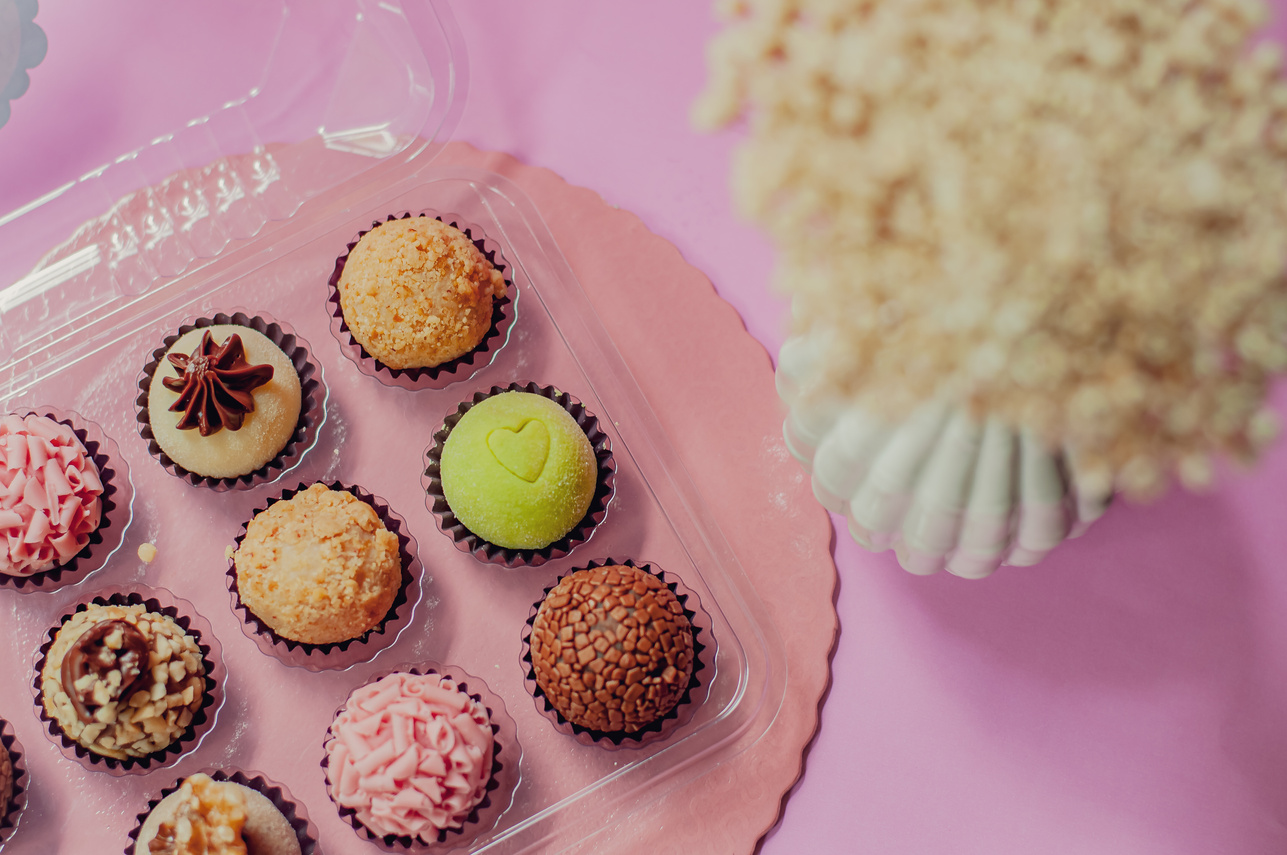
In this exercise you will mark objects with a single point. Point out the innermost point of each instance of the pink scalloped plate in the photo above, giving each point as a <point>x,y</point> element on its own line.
<point>724,488</point>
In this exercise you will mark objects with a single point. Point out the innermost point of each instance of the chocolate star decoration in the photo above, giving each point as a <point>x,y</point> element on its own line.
<point>214,391</point>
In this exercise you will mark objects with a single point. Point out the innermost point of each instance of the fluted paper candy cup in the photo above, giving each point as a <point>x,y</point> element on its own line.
<point>943,490</point>
<point>339,655</point>
<point>676,716</point>
<point>465,540</point>
<point>312,413</point>
<point>11,810</point>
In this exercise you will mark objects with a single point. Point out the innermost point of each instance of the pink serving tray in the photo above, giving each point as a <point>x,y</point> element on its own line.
<point>722,775</point>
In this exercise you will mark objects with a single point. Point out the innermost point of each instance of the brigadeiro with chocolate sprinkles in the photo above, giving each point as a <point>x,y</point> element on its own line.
<point>13,781</point>
<point>612,649</point>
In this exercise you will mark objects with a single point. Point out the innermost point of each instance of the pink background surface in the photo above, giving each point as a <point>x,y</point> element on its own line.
<point>1121,697</point>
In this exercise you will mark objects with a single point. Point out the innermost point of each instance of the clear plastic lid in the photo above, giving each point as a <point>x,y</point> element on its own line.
<point>249,207</point>
<point>392,84</point>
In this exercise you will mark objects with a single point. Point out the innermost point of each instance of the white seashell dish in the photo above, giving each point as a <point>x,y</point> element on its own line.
<point>942,489</point>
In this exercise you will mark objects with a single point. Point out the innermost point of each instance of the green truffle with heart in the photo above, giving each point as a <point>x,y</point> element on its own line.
<point>518,471</point>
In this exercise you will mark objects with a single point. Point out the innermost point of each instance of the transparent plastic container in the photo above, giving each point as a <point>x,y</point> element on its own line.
<point>266,201</point>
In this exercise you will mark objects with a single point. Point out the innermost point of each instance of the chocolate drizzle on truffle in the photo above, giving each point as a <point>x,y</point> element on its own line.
<point>215,389</point>
<point>110,647</point>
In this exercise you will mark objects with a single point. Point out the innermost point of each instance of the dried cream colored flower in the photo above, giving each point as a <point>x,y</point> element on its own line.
<point>1071,214</point>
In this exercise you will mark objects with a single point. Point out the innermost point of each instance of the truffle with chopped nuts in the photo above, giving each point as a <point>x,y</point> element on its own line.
<point>122,681</point>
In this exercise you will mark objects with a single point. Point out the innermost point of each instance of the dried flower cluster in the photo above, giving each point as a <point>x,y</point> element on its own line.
<point>1068,213</point>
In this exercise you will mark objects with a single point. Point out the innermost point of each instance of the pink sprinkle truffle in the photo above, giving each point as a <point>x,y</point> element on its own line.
<point>411,755</point>
<point>49,495</point>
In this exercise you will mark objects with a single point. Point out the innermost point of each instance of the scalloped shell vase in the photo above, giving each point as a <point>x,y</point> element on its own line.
<point>941,489</point>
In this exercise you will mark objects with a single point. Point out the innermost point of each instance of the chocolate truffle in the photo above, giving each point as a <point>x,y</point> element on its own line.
<point>224,401</point>
<point>518,471</point>
<point>206,816</point>
<point>612,648</point>
<point>122,681</point>
<point>417,292</point>
<point>319,567</point>
<point>6,780</point>
<point>50,495</point>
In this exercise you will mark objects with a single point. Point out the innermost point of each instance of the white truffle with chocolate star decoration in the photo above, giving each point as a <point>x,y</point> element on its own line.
<point>224,401</point>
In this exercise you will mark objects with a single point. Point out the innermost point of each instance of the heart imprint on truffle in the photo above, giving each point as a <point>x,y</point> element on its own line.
<point>522,452</point>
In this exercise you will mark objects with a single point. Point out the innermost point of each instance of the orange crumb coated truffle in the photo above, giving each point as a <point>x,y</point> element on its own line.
<point>318,568</point>
<point>417,293</point>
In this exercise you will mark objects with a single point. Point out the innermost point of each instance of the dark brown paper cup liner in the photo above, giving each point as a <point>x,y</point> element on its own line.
<point>18,800</point>
<point>117,507</point>
<point>438,376</point>
<point>292,809</point>
<point>506,759</point>
<point>339,655</point>
<point>698,684</point>
<point>466,540</point>
<point>312,409</point>
<point>181,612</point>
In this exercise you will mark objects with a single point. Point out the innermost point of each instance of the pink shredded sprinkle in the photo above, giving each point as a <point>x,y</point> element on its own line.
<point>401,777</point>
<point>49,495</point>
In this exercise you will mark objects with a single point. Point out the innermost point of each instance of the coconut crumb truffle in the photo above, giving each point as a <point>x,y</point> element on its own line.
<point>318,568</point>
<point>1069,214</point>
<point>209,817</point>
<point>612,648</point>
<point>122,681</point>
<point>224,401</point>
<point>417,292</point>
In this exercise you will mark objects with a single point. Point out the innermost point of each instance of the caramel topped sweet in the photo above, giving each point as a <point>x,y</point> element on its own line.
<point>215,389</point>
<point>105,664</point>
<point>207,819</point>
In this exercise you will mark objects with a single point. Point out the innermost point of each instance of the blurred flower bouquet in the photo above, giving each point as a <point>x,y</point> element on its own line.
<point>1035,250</point>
